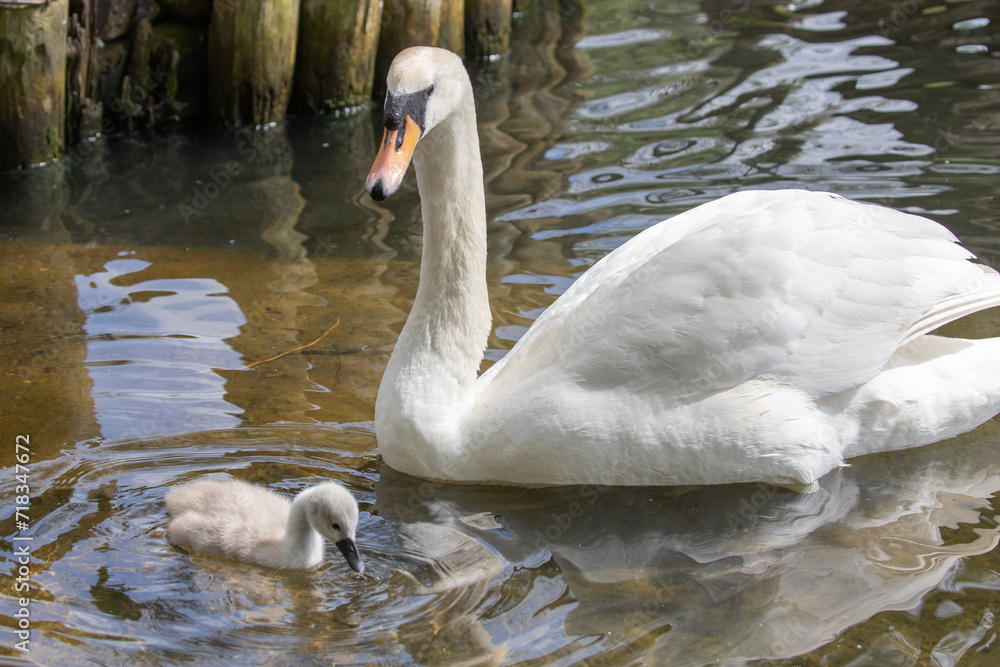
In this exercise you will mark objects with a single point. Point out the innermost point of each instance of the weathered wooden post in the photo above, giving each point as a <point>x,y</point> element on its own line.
<point>451,33</point>
<point>417,22</point>
<point>335,64</point>
<point>487,28</point>
<point>83,112</point>
<point>32,81</point>
<point>251,60</point>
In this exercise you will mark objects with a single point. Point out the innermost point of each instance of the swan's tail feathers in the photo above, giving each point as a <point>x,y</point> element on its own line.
<point>958,306</point>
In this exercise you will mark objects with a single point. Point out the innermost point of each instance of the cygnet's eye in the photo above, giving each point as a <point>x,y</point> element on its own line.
<point>336,526</point>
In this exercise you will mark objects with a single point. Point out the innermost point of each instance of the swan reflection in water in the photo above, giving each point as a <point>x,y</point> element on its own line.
<point>707,574</point>
<point>491,575</point>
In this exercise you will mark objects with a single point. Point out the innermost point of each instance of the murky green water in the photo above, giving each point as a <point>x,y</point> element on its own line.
<point>150,285</point>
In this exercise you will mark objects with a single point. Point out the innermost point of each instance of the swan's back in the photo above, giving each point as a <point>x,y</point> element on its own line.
<point>802,288</point>
<point>744,340</point>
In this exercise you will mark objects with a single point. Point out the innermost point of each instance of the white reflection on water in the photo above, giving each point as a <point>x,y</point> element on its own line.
<point>725,573</point>
<point>692,154</point>
<point>811,72</point>
<point>636,36</point>
<point>171,329</point>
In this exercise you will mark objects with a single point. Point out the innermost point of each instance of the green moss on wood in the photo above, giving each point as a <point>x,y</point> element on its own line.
<point>487,28</point>
<point>335,63</point>
<point>32,83</point>
<point>251,60</point>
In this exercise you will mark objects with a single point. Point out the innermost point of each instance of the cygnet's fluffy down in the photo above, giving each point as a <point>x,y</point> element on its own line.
<point>253,524</point>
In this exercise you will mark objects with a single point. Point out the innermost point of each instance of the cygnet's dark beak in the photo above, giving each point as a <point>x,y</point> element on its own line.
<point>350,551</point>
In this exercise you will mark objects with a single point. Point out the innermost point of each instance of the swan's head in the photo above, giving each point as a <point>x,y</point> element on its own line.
<point>333,513</point>
<point>425,85</point>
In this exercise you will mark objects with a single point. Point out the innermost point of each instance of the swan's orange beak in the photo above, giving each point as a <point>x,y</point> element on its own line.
<point>392,160</point>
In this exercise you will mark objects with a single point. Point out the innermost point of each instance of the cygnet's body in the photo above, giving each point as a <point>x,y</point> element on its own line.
<point>253,524</point>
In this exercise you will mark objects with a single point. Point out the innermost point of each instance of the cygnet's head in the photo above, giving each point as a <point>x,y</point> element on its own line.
<point>332,512</point>
<point>425,86</point>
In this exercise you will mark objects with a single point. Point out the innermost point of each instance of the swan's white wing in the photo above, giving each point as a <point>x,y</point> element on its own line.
<point>802,287</point>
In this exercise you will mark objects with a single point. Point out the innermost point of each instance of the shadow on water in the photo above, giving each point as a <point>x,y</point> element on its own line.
<point>188,306</point>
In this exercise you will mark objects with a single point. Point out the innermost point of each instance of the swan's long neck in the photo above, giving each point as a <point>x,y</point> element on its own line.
<point>429,382</point>
<point>303,546</point>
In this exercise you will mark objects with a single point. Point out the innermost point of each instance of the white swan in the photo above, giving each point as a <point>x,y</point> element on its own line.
<point>766,336</point>
<point>253,524</point>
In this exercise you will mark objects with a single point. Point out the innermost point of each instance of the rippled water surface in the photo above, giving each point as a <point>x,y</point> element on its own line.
<point>179,306</point>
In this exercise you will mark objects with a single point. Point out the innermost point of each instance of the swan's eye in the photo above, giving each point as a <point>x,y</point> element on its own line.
<point>336,527</point>
<point>430,91</point>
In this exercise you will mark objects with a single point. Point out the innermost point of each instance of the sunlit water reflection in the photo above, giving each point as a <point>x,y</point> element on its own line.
<point>173,330</point>
<point>182,306</point>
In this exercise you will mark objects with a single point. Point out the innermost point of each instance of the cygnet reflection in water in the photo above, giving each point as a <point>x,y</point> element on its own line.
<point>253,524</point>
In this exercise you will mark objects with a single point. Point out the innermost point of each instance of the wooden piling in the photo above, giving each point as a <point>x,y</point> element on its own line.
<point>251,60</point>
<point>451,34</point>
<point>417,23</point>
<point>32,82</point>
<point>335,63</point>
<point>487,28</point>
<point>83,110</point>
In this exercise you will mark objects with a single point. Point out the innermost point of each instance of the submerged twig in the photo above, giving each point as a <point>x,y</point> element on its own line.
<point>296,349</point>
